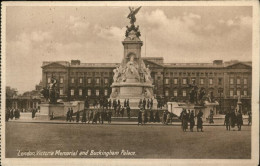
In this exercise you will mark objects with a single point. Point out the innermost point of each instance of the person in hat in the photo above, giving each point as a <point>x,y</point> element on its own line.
<point>68,115</point>
<point>139,118</point>
<point>109,116</point>
<point>192,121</point>
<point>128,110</point>
<point>143,116</point>
<point>199,121</point>
<point>185,118</point>
<point>239,120</point>
<point>164,118</point>
<point>84,116</point>
<point>227,120</point>
<point>77,116</point>
<point>151,116</point>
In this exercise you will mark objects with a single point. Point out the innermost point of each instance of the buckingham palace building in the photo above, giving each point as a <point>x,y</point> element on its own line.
<point>227,80</point>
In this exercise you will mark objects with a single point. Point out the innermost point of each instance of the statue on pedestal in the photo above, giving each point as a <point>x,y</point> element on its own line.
<point>132,69</point>
<point>50,93</point>
<point>132,14</point>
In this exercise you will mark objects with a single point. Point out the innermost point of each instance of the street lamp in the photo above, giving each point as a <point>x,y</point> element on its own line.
<point>220,91</point>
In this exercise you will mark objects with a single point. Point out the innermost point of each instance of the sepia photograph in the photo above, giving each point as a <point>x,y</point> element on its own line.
<point>130,83</point>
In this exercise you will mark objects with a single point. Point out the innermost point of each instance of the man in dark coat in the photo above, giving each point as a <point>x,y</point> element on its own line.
<point>249,118</point>
<point>233,118</point>
<point>144,103</point>
<point>128,109</point>
<point>101,116</point>
<point>122,111</point>
<point>84,116</point>
<point>140,103</point>
<point>115,106</point>
<point>239,120</point>
<point>185,118</point>
<point>77,116</point>
<point>151,103</point>
<point>192,121</point>
<point>118,102</point>
<point>157,116</point>
<point>211,115</point>
<point>227,120</point>
<point>12,114</point>
<point>68,115</point>
<point>109,116</point>
<point>127,103</point>
<point>139,117</point>
<point>148,104</point>
<point>71,115</point>
<point>151,116</point>
<point>164,117</point>
<point>109,103</point>
<point>199,121</point>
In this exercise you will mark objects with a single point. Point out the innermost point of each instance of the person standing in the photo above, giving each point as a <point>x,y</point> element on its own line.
<point>148,104</point>
<point>164,117</point>
<point>77,116</point>
<point>151,116</point>
<point>168,120</point>
<point>115,106</point>
<point>125,103</point>
<point>185,117</point>
<point>109,116</point>
<point>102,116</point>
<point>128,111</point>
<point>118,102</point>
<point>143,116</point>
<point>192,121</point>
<point>151,103</point>
<point>139,117</point>
<point>71,115</point>
<point>68,115</point>
<point>227,120</point>
<point>140,103</point>
<point>146,116</point>
<point>157,116</point>
<point>239,120</point>
<point>211,117</point>
<point>109,104</point>
<point>94,120</point>
<point>144,103</point>
<point>122,111</point>
<point>199,121</point>
<point>249,118</point>
<point>84,116</point>
<point>91,116</point>
<point>12,114</point>
<point>233,118</point>
<point>118,110</point>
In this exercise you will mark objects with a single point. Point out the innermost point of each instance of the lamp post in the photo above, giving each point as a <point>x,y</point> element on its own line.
<point>220,91</point>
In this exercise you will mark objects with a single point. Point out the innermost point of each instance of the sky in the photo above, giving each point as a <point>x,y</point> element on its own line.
<point>179,34</point>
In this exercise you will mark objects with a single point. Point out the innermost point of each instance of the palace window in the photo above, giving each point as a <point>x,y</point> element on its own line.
<point>61,91</point>
<point>97,80</point>
<point>61,80</point>
<point>105,92</point>
<point>106,81</point>
<point>72,92</point>
<point>175,93</point>
<point>175,81</point>
<point>231,81</point>
<point>72,80</point>
<point>89,80</point>
<point>89,92</point>
<point>210,81</point>
<point>231,93</point>
<point>166,93</point>
<point>238,81</point>
<point>97,92</point>
<point>238,92</point>
<point>201,81</point>
<point>166,81</point>
<point>219,81</point>
<point>245,93</point>
<point>245,81</point>
<point>184,93</point>
<point>184,81</point>
<point>80,80</point>
<point>80,92</point>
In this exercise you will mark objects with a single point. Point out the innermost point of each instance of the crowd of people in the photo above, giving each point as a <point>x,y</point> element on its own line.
<point>233,118</point>
<point>12,113</point>
<point>189,117</point>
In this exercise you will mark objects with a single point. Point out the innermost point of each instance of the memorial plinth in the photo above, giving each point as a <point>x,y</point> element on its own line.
<point>132,79</point>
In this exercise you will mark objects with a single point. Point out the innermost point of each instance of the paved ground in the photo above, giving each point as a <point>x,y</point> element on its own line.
<point>150,141</point>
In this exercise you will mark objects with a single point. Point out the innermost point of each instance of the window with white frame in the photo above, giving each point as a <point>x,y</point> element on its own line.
<point>72,92</point>
<point>245,93</point>
<point>72,80</point>
<point>89,92</point>
<point>175,81</point>
<point>184,93</point>
<point>105,92</point>
<point>210,81</point>
<point>238,81</point>
<point>175,92</point>
<point>166,93</point>
<point>231,81</point>
<point>201,81</point>
<point>184,81</point>
<point>166,81</point>
<point>97,92</point>
<point>80,80</point>
<point>89,80</point>
<point>238,92</point>
<point>97,80</point>
<point>231,93</point>
<point>61,80</point>
<point>80,92</point>
<point>245,81</point>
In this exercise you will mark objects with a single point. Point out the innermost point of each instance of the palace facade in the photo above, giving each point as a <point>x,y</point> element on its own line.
<point>227,80</point>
